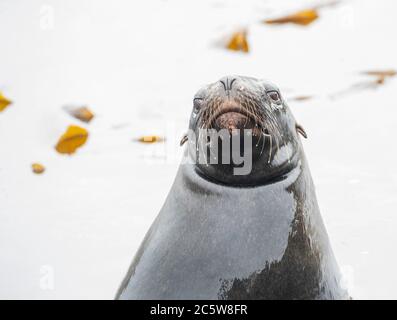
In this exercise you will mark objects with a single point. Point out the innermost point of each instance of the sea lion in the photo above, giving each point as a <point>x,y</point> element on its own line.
<point>222,235</point>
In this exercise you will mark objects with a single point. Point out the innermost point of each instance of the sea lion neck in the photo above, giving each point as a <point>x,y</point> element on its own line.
<point>196,180</point>
<point>225,177</point>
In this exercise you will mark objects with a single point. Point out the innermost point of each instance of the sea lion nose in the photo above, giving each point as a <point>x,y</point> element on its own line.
<point>227,83</point>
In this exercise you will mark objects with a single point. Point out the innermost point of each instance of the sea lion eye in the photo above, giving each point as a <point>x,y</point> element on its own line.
<point>274,96</point>
<point>197,104</point>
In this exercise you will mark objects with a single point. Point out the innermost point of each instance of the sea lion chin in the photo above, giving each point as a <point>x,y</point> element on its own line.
<point>225,236</point>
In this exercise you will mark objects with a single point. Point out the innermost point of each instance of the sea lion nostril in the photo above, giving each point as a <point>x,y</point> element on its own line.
<point>227,83</point>
<point>231,83</point>
<point>224,84</point>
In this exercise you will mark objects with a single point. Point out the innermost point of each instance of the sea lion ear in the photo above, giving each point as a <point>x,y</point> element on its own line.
<point>183,140</point>
<point>300,130</point>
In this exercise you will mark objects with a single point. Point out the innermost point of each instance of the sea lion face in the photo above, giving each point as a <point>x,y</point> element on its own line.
<point>245,118</point>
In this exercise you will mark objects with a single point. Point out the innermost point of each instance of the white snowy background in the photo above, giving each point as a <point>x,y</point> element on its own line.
<point>72,232</point>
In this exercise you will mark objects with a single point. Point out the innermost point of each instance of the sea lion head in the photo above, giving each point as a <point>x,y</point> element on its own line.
<point>242,133</point>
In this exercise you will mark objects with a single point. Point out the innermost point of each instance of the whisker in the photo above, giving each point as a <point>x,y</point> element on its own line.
<point>270,149</point>
<point>264,142</point>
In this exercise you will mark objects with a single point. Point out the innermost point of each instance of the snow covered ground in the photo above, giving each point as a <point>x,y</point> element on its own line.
<point>72,232</point>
